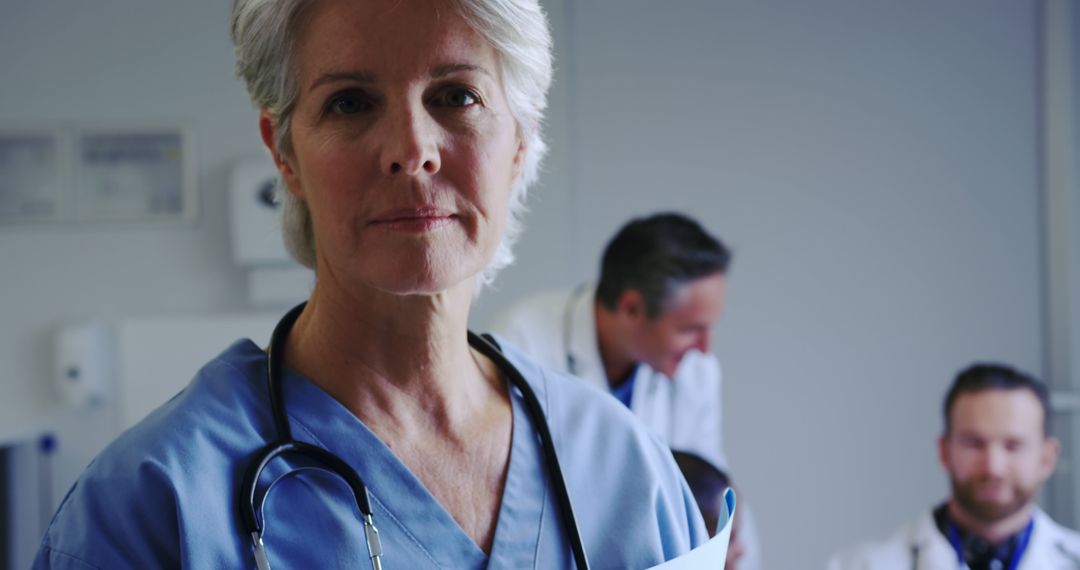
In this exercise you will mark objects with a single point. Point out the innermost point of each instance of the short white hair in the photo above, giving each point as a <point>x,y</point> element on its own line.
<point>263,33</point>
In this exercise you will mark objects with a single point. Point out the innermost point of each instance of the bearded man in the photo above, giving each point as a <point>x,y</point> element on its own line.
<point>998,452</point>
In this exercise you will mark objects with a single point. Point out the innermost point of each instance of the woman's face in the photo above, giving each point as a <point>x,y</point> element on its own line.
<point>403,145</point>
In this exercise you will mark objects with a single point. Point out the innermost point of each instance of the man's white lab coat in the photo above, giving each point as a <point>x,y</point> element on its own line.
<point>921,546</point>
<point>558,329</point>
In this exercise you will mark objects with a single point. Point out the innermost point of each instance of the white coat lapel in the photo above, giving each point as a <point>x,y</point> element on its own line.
<point>582,342</point>
<point>934,550</point>
<point>1039,554</point>
<point>647,404</point>
<point>1047,549</point>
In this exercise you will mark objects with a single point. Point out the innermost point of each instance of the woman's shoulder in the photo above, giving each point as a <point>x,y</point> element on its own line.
<point>160,478</point>
<point>567,398</point>
<point>221,404</point>
<point>598,442</point>
<point>589,424</point>
<point>219,407</point>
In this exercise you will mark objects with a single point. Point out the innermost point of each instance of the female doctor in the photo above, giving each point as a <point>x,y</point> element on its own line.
<point>378,431</point>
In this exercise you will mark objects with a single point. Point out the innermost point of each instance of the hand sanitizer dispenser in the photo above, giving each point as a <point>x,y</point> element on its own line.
<point>274,279</point>
<point>255,214</point>
<point>83,363</point>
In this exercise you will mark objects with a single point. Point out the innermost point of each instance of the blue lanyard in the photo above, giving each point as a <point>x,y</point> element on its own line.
<point>1018,553</point>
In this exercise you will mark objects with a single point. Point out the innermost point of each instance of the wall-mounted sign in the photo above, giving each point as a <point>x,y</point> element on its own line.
<point>110,174</point>
<point>31,170</point>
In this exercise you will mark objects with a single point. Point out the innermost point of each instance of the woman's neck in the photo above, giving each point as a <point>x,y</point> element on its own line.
<point>398,361</point>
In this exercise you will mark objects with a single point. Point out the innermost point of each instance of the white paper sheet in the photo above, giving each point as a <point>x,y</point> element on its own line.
<point>713,553</point>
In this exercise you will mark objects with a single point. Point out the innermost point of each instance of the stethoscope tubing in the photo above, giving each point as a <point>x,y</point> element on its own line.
<point>568,327</point>
<point>487,346</point>
<point>251,504</point>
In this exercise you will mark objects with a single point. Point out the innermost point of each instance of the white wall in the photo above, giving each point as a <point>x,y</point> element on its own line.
<point>1073,472</point>
<point>102,61</point>
<point>872,162</point>
<point>1061,135</point>
<point>874,165</point>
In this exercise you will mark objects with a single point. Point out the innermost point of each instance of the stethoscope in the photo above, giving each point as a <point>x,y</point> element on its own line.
<point>568,327</point>
<point>251,505</point>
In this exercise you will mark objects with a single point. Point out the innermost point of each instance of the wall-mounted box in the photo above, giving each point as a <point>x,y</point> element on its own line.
<point>255,214</point>
<point>34,175</point>
<point>135,173</point>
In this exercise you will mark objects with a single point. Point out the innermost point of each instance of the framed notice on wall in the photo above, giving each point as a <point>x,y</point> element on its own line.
<point>134,175</point>
<point>32,167</point>
<point>102,173</point>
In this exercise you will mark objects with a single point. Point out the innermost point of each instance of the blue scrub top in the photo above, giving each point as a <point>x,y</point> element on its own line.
<point>164,494</point>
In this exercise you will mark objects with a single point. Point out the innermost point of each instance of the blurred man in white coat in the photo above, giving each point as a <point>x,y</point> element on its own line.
<point>642,333</point>
<point>998,453</point>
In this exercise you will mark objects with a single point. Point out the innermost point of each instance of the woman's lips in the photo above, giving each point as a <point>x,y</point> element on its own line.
<point>412,219</point>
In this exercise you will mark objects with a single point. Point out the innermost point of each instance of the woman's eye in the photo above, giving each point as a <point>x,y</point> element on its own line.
<point>349,104</point>
<point>458,98</point>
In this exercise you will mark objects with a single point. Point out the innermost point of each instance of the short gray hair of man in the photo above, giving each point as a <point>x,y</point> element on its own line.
<point>263,33</point>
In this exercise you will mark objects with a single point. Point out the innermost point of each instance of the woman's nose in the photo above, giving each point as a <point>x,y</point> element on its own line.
<point>410,145</point>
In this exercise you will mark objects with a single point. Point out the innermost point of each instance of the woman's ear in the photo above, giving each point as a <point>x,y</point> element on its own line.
<point>268,131</point>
